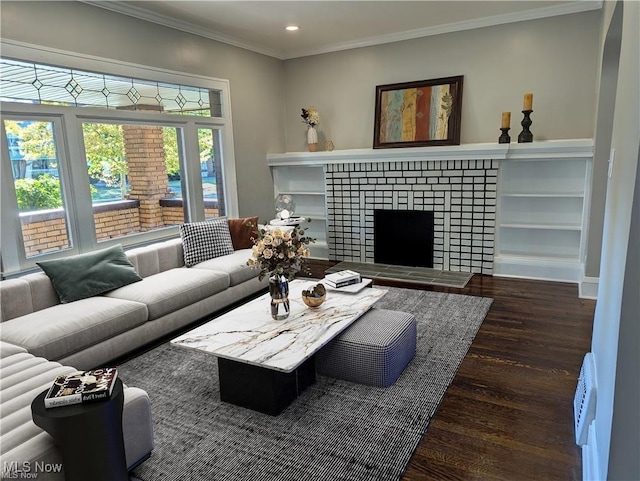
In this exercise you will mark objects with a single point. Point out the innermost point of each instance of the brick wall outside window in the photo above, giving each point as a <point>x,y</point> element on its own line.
<point>50,233</point>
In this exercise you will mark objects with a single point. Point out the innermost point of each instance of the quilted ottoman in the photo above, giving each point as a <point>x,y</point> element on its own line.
<point>374,350</point>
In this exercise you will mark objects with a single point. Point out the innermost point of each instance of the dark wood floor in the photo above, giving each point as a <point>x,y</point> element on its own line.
<point>508,414</point>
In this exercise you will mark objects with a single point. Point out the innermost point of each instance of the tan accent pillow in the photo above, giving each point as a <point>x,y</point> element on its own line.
<point>241,233</point>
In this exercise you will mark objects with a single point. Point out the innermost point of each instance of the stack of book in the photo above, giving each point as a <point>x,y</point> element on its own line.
<point>342,279</point>
<point>81,387</point>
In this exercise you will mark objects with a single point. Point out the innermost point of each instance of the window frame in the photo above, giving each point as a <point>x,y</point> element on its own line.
<point>70,144</point>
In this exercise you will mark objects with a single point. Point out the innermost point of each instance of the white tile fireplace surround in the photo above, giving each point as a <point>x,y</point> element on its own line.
<point>504,209</point>
<point>460,193</point>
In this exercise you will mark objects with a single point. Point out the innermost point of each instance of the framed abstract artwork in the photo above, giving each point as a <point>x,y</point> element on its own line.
<point>417,114</point>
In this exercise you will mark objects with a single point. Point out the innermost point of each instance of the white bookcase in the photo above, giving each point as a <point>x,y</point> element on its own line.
<point>306,184</point>
<point>543,199</point>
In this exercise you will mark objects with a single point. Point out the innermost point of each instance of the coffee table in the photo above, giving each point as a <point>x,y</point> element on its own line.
<point>264,364</point>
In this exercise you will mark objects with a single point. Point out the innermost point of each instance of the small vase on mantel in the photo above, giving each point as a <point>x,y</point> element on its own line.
<point>279,292</point>
<point>312,139</point>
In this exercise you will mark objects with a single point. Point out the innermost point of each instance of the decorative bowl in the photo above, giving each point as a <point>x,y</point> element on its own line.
<point>315,296</point>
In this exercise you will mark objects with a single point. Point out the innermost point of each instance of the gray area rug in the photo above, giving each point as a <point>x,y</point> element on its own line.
<point>335,430</point>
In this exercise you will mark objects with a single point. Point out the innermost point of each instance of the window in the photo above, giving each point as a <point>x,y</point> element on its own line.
<point>211,170</point>
<point>91,166</point>
<point>33,155</point>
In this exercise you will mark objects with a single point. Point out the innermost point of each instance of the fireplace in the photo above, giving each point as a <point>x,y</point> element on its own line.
<point>460,194</point>
<point>403,237</point>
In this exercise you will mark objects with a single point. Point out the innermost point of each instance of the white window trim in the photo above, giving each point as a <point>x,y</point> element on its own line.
<point>63,58</point>
<point>13,252</point>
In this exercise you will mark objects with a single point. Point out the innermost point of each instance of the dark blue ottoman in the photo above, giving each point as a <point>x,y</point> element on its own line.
<point>374,350</point>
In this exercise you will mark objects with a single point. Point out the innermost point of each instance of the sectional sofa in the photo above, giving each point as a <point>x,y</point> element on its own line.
<point>42,337</point>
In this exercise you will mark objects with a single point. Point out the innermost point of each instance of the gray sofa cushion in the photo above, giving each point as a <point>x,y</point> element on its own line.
<point>235,265</point>
<point>15,299</point>
<point>56,332</point>
<point>26,294</point>
<point>174,289</point>
<point>156,258</point>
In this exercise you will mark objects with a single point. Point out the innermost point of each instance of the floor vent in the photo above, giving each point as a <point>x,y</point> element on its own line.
<point>584,403</point>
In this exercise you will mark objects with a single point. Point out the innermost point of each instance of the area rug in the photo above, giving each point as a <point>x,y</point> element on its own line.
<point>336,430</point>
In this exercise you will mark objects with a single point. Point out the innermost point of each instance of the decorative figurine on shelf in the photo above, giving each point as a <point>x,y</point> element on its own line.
<point>527,108</point>
<point>285,206</point>
<point>311,117</point>
<point>506,125</point>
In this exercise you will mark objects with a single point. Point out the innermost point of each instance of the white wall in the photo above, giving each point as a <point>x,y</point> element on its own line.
<point>608,83</point>
<point>555,58</point>
<point>616,371</point>
<point>255,80</point>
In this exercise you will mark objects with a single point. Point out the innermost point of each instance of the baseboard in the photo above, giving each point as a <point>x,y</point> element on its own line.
<point>588,287</point>
<point>590,471</point>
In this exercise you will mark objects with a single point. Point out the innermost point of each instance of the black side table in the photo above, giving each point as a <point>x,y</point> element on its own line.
<point>89,436</point>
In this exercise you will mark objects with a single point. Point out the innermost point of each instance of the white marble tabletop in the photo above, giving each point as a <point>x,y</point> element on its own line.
<point>249,333</point>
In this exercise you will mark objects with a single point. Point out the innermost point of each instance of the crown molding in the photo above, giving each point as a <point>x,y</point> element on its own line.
<point>534,14</point>
<point>148,16</point>
<point>544,12</point>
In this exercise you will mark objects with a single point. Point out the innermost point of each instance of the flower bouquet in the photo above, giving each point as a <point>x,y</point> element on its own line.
<point>279,251</point>
<point>310,116</point>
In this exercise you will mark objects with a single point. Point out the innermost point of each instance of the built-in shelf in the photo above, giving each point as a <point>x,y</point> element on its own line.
<point>302,192</point>
<point>546,195</point>
<point>306,184</point>
<point>542,197</point>
<point>542,207</point>
<point>522,225</point>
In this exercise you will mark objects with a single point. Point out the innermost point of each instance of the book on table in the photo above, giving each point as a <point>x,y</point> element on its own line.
<point>342,278</point>
<point>81,387</point>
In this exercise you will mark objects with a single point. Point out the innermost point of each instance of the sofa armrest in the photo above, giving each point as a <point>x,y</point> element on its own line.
<point>137,426</point>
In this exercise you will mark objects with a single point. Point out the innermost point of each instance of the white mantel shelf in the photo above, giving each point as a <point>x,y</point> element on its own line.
<point>541,150</point>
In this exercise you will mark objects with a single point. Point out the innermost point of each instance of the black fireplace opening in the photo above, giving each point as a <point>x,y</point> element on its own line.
<point>403,237</point>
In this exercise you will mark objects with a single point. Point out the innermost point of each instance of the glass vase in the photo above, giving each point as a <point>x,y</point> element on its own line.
<point>279,292</point>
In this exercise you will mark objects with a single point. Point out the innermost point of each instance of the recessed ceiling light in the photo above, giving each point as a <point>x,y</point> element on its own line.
<point>292,28</point>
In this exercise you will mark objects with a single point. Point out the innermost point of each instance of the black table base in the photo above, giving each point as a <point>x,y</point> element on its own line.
<point>261,389</point>
<point>89,436</point>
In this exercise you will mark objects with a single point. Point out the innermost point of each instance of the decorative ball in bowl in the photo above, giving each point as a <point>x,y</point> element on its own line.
<point>315,296</point>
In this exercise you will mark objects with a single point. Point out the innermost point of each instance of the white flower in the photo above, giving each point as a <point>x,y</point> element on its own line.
<point>310,116</point>
<point>280,251</point>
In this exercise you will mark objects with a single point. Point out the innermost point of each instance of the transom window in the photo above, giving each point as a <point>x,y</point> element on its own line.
<point>47,84</point>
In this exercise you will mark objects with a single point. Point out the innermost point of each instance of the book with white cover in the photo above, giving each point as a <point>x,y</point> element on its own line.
<point>342,278</point>
<point>350,289</point>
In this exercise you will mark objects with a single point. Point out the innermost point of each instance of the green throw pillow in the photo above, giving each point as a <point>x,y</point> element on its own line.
<point>87,275</point>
